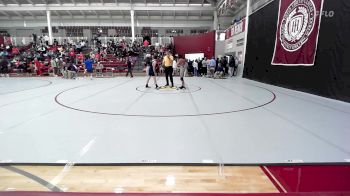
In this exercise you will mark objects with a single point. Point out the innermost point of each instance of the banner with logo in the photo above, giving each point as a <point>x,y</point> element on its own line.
<point>297,32</point>
<point>235,29</point>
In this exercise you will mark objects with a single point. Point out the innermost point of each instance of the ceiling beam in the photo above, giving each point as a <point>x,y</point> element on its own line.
<point>18,14</point>
<point>16,2</point>
<point>69,13</point>
<point>103,8</point>
<point>30,2</point>
<point>98,16</point>
<point>31,13</point>
<point>109,13</point>
<point>59,16</point>
<point>82,13</point>
<point>6,14</point>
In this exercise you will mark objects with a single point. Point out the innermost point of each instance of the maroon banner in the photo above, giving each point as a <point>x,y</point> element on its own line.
<point>297,32</point>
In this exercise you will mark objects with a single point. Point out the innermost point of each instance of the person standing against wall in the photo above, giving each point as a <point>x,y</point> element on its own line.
<point>224,64</point>
<point>232,65</point>
<point>168,64</point>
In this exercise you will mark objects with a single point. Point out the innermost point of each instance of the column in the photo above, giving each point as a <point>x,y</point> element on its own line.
<point>132,25</point>
<point>245,38</point>
<point>48,14</point>
<point>215,24</point>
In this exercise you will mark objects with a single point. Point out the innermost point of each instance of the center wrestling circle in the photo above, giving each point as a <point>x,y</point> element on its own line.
<point>169,90</point>
<point>104,99</point>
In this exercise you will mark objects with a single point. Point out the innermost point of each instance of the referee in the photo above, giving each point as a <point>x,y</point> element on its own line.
<point>168,63</point>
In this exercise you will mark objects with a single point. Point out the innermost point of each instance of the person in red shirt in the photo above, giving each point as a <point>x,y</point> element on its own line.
<point>71,55</point>
<point>97,57</point>
<point>38,67</point>
<point>80,57</point>
<point>15,51</point>
<point>146,43</point>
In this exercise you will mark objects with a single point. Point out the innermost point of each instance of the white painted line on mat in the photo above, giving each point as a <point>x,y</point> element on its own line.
<point>207,161</point>
<point>62,174</point>
<point>6,161</point>
<point>87,147</point>
<point>62,161</point>
<point>294,161</point>
<point>149,161</point>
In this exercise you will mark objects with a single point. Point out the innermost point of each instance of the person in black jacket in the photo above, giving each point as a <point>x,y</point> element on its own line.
<point>232,66</point>
<point>150,69</point>
<point>129,68</point>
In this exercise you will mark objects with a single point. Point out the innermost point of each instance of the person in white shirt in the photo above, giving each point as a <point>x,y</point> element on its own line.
<point>46,38</point>
<point>174,67</point>
<point>204,66</point>
<point>195,68</point>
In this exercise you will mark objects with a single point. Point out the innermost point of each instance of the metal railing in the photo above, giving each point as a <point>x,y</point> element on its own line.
<point>22,41</point>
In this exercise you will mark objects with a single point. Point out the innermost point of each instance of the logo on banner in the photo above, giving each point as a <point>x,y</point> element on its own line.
<point>297,24</point>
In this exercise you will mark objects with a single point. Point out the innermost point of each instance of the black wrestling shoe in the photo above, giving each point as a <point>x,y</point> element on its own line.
<point>157,87</point>
<point>147,86</point>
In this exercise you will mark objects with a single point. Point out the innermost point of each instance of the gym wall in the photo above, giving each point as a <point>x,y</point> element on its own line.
<point>202,43</point>
<point>329,77</point>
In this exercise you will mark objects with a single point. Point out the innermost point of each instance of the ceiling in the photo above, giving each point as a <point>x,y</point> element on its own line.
<point>26,9</point>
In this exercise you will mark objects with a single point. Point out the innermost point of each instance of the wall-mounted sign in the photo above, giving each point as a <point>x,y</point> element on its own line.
<point>237,28</point>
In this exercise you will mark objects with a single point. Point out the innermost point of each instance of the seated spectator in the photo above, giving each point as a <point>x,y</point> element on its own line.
<point>219,72</point>
<point>38,67</point>
<point>99,68</point>
<point>72,71</point>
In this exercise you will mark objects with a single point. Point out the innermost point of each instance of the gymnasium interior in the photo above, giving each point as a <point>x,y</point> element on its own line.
<point>174,97</point>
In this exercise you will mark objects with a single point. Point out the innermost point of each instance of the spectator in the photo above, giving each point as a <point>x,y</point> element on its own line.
<point>195,68</point>
<point>88,67</point>
<point>129,64</point>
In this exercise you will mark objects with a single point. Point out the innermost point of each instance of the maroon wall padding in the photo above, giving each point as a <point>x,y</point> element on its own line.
<point>203,43</point>
<point>312,178</point>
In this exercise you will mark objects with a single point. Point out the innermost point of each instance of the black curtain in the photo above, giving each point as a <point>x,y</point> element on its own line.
<point>329,77</point>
